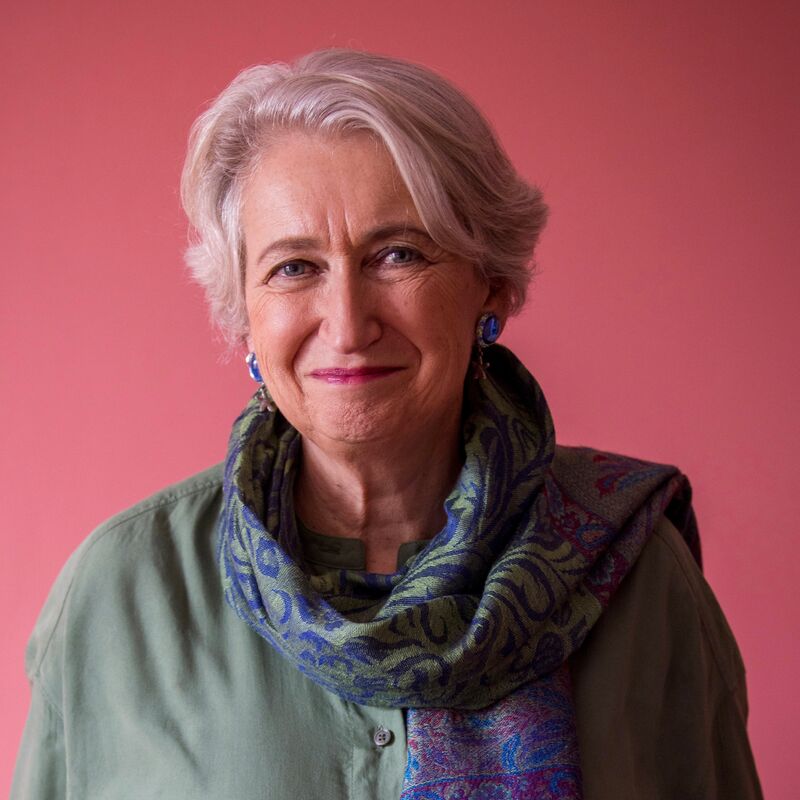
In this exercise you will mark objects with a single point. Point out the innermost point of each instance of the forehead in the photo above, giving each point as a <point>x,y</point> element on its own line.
<point>307,180</point>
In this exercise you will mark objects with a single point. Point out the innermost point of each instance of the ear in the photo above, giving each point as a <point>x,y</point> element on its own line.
<point>497,301</point>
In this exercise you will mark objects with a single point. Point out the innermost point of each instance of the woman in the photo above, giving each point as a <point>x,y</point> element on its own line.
<point>439,601</point>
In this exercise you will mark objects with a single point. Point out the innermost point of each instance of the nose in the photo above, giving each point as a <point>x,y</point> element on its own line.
<point>350,313</point>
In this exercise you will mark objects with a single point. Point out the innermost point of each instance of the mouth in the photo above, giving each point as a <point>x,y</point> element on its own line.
<point>353,375</point>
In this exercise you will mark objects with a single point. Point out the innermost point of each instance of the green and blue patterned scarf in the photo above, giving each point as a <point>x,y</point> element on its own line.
<point>473,634</point>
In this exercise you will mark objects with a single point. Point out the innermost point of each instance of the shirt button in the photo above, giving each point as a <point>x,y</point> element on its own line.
<point>382,737</point>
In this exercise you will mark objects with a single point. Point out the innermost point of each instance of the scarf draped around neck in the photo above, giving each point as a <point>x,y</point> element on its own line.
<point>473,634</point>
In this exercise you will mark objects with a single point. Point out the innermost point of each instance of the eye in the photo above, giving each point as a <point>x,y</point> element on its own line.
<point>291,269</point>
<point>400,255</point>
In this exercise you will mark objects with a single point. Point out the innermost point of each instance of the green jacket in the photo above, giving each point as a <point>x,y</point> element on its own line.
<point>145,684</point>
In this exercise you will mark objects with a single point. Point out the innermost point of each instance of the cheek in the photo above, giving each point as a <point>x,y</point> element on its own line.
<point>448,301</point>
<point>276,331</point>
<point>443,334</point>
<point>451,319</point>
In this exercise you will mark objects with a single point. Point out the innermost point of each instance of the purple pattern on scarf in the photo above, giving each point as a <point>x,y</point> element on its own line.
<point>523,746</point>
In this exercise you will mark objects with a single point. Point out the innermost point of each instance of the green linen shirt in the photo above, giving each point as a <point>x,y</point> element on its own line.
<point>145,684</point>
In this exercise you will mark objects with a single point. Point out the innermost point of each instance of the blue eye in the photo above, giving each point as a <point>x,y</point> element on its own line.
<point>291,269</point>
<point>401,255</point>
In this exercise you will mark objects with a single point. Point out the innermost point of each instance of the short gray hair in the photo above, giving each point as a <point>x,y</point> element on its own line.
<point>470,198</point>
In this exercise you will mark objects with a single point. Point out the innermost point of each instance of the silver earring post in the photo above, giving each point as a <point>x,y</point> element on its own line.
<point>265,401</point>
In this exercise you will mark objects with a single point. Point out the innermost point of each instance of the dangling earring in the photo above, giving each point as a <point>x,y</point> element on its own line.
<point>265,401</point>
<point>487,332</point>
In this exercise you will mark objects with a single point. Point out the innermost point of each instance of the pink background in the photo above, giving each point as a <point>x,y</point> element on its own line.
<point>663,323</point>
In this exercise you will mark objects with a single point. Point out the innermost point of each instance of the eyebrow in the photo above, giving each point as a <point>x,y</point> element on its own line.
<point>307,243</point>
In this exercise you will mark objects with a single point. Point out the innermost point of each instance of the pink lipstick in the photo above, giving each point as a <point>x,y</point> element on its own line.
<point>352,375</point>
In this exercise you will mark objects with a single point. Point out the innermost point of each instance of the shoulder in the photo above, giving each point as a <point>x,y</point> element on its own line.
<point>139,549</point>
<point>669,570</point>
<point>592,475</point>
<point>188,496</point>
<point>662,670</point>
<point>666,612</point>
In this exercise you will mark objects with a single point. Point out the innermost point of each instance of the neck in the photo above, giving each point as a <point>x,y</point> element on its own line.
<point>383,494</point>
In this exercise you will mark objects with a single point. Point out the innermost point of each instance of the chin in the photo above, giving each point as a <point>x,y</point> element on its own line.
<point>355,423</point>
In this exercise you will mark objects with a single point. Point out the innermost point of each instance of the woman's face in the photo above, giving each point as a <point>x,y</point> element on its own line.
<point>362,325</point>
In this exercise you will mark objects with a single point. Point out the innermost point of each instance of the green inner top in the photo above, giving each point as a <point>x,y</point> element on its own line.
<point>322,552</point>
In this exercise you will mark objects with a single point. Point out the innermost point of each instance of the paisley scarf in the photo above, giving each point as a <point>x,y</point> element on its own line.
<point>472,635</point>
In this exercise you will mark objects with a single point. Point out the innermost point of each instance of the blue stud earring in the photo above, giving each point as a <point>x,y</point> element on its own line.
<point>487,332</point>
<point>265,401</point>
<point>252,366</point>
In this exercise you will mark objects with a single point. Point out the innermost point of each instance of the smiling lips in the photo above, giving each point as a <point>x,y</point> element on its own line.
<point>353,375</point>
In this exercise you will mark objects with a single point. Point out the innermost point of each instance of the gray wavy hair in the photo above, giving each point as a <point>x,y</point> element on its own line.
<point>466,191</point>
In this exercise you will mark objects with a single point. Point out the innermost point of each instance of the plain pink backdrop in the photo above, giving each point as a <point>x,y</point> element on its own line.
<point>663,323</point>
